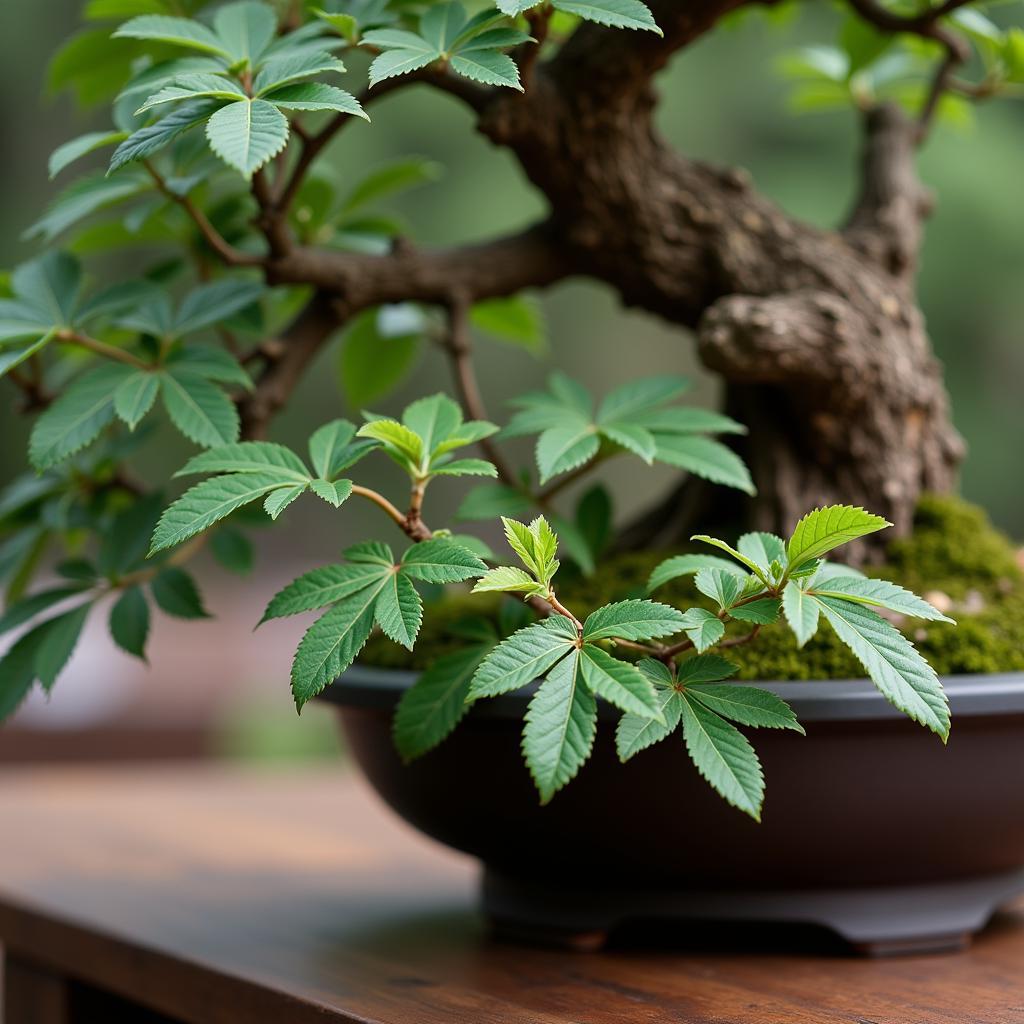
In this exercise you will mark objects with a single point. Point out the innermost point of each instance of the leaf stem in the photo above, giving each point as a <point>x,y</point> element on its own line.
<point>228,253</point>
<point>458,344</point>
<point>562,610</point>
<point>412,526</point>
<point>101,348</point>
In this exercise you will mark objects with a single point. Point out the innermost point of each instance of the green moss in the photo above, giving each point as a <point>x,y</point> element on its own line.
<point>954,549</point>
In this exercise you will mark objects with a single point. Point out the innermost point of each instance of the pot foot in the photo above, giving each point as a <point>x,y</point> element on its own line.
<point>874,920</point>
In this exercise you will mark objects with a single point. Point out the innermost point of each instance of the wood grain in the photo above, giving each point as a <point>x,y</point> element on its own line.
<point>220,896</point>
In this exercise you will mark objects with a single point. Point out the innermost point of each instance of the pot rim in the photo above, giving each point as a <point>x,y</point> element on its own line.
<point>819,700</point>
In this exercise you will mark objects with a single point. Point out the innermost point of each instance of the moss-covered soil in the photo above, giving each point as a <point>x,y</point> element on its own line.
<point>955,558</point>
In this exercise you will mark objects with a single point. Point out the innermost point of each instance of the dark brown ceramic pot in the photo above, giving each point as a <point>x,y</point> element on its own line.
<point>871,826</point>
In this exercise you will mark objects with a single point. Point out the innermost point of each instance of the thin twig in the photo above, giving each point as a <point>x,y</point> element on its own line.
<point>474,95</point>
<point>459,346</point>
<point>228,253</point>
<point>927,25</point>
<point>101,348</point>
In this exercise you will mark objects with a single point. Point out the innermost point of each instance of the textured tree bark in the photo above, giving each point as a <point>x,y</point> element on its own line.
<point>816,333</point>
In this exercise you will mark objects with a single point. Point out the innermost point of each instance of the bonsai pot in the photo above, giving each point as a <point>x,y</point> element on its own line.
<point>871,826</point>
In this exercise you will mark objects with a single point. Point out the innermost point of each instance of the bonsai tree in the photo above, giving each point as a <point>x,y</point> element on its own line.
<point>220,119</point>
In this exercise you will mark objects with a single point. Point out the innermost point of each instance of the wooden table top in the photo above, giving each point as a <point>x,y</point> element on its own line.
<point>227,895</point>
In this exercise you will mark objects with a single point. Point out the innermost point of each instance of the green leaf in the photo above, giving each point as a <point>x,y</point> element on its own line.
<point>862,42</point>
<point>371,552</point>
<point>880,594</point>
<point>704,668</point>
<point>686,420</point>
<point>125,539</point>
<point>177,31</point>
<point>246,29</point>
<point>561,722</point>
<point>129,622</point>
<point>523,657</point>
<point>346,25</point>
<point>77,417</point>
<point>637,732</point>
<point>515,319</point>
<point>194,87</point>
<point>434,419</point>
<point>640,396</point>
<point>175,593</point>
<point>331,644</point>
<point>333,492</point>
<point>134,397</point>
<point>211,304</point>
<point>285,70</point>
<point>704,628</point>
<point>151,139</point>
<point>722,587</point>
<point>331,448</point>
<point>371,363</point>
<point>619,683</point>
<point>560,449</point>
<point>903,677</point>
<point>827,528</point>
<point>465,467</point>
<point>762,612</point>
<point>614,13</point>
<point>246,135</point>
<point>18,670</point>
<point>207,503</point>
<point>761,572</point>
<point>75,149</point>
<point>686,565</point>
<point>637,440</point>
<point>396,437</point>
<point>199,409</point>
<point>60,638</point>
<point>801,612</point>
<point>705,458</point>
<point>277,501</point>
<point>492,67</point>
<point>84,197</point>
<point>632,620</point>
<point>491,500</point>
<point>262,457</point>
<point>233,550</point>
<point>431,708</point>
<point>404,52</point>
<point>50,287</point>
<point>514,7</point>
<point>594,520</point>
<point>14,356</point>
<point>746,705</point>
<point>29,607</point>
<point>723,757</point>
<point>463,436</point>
<point>399,610</point>
<point>323,586</point>
<point>441,561</point>
<point>762,548</point>
<point>508,579</point>
<point>394,177</point>
<point>316,96</point>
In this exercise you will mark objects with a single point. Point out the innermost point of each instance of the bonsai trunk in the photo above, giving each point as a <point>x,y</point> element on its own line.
<point>816,333</point>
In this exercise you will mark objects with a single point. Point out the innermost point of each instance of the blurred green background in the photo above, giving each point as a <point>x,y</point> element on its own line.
<point>723,102</point>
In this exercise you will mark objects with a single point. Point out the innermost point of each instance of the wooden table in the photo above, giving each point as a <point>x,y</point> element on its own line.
<point>233,896</point>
